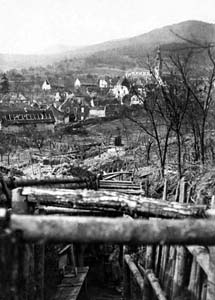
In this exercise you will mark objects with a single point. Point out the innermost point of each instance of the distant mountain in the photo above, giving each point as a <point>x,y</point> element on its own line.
<point>122,53</point>
<point>198,30</point>
<point>133,51</point>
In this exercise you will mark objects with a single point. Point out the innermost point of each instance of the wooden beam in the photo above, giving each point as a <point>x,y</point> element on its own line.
<point>201,254</point>
<point>115,230</point>
<point>211,275</point>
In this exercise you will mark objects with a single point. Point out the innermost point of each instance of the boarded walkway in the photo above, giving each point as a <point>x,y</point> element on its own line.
<point>71,285</point>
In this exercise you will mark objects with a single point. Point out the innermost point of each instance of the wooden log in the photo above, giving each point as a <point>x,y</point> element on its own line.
<point>131,268</point>
<point>154,282</point>
<point>131,192</point>
<point>23,182</point>
<point>125,182</point>
<point>51,210</point>
<point>72,186</point>
<point>118,230</point>
<point>119,186</point>
<point>110,176</point>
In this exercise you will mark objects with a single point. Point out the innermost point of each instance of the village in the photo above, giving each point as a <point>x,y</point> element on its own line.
<point>107,155</point>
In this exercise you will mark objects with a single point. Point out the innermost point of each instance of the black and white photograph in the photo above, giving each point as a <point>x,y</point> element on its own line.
<point>107,150</point>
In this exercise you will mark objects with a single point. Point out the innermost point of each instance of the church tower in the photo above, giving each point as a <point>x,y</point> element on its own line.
<point>158,67</point>
<point>158,63</point>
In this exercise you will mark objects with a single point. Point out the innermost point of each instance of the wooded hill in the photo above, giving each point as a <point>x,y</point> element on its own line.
<point>122,53</point>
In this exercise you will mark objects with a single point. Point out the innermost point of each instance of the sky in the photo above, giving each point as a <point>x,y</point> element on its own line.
<point>35,26</point>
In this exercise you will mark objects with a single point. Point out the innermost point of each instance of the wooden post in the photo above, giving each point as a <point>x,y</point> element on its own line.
<point>180,263</point>
<point>211,275</point>
<point>164,259</point>
<point>39,260</point>
<point>149,257</point>
<point>165,190</point>
<point>194,283</point>
<point>126,281</point>
<point>169,272</point>
<point>182,196</point>
<point>158,259</point>
<point>33,255</point>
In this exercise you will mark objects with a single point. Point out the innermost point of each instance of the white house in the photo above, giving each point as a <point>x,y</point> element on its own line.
<point>77,83</point>
<point>46,86</point>
<point>57,97</point>
<point>103,84</point>
<point>119,91</point>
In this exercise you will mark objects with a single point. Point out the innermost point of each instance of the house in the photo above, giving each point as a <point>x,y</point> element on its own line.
<point>121,89</point>
<point>18,121</point>
<point>77,84</point>
<point>103,83</point>
<point>46,86</point>
<point>76,107</point>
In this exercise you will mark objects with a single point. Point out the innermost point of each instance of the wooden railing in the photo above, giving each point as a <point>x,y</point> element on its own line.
<point>179,256</point>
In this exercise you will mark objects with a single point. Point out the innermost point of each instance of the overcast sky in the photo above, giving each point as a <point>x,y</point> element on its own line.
<point>29,26</point>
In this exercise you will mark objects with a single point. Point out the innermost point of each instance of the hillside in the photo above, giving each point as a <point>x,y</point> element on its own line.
<point>122,53</point>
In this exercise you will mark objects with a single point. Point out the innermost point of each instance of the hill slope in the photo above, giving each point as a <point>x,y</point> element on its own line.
<point>122,53</point>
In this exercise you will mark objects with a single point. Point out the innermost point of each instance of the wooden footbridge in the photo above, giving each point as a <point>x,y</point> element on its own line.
<point>174,242</point>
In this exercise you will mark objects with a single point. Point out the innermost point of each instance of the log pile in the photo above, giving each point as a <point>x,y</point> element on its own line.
<point>112,201</point>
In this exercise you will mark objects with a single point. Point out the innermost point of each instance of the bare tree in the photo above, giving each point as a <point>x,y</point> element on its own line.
<point>150,117</point>
<point>200,86</point>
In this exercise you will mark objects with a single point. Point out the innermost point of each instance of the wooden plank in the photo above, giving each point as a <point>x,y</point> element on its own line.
<point>201,255</point>
<point>211,275</point>
<point>70,288</point>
